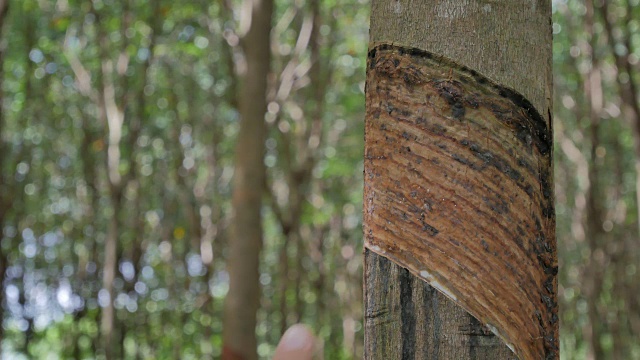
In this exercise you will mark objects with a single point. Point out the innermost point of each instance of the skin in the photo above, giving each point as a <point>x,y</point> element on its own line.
<point>297,343</point>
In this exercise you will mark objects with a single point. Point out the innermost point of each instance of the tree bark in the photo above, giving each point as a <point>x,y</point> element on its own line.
<point>459,182</point>
<point>243,299</point>
<point>108,276</point>
<point>412,320</point>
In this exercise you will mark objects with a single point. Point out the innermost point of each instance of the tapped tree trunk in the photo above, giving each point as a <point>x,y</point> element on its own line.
<point>459,220</point>
<point>243,300</point>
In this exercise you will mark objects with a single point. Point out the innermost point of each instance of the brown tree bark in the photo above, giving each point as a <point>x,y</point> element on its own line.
<point>243,300</point>
<point>458,182</point>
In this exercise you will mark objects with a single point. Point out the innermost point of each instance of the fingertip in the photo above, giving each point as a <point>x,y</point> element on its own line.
<point>297,343</point>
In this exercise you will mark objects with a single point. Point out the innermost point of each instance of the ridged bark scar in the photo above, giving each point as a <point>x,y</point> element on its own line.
<point>459,190</point>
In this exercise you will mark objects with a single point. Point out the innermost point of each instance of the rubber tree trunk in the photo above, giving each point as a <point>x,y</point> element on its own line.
<point>459,221</point>
<point>243,299</point>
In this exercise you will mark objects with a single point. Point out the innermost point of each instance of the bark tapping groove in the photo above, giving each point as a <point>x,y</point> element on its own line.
<point>458,190</point>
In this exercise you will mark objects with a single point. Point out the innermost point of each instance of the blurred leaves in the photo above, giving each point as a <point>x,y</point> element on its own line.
<point>171,280</point>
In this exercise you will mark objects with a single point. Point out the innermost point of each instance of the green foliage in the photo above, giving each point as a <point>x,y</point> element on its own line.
<point>597,208</point>
<point>177,95</point>
<point>179,86</point>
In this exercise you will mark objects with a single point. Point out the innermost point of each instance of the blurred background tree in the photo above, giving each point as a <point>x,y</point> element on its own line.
<point>597,117</point>
<point>118,129</point>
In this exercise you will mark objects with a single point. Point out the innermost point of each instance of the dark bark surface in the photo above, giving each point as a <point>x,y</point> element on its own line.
<point>412,320</point>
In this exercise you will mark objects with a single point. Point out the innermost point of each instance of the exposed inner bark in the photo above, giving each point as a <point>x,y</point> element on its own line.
<point>458,191</point>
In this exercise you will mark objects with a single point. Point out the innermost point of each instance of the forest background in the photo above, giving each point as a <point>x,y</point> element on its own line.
<point>153,85</point>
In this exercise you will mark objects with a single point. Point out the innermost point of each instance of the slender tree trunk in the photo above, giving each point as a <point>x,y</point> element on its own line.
<point>594,269</point>
<point>283,258</point>
<point>243,300</point>
<point>108,276</point>
<point>459,182</point>
<point>109,114</point>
